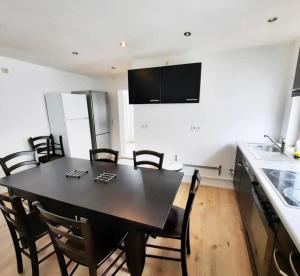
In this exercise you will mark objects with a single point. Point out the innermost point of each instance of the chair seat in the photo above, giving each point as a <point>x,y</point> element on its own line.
<point>173,226</point>
<point>45,158</point>
<point>37,228</point>
<point>105,241</point>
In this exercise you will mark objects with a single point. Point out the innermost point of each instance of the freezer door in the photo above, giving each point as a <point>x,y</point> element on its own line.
<point>79,138</point>
<point>75,106</point>
<point>103,141</point>
<point>101,112</point>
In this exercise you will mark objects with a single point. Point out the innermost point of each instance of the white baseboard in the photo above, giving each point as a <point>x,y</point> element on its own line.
<point>219,182</point>
<point>213,181</point>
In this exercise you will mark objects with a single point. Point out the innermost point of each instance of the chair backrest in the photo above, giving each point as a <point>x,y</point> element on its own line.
<point>42,144</point>
<point>58,146</point>
<point>114,153</point>
<point>29,158</point>
<point>46,145</point>
<point>195,183</point>
<point>158,164</point>
<point>72,238</point>
<point>14,214</point>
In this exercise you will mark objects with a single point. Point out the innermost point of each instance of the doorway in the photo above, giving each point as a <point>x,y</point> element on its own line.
<point>126,121</point>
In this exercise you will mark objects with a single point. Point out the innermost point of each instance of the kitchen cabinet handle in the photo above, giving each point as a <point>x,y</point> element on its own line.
<point>239,164</point>
<point>191,100</point>
<point>292,265</point>
<point>296,89</point>
<point>279,270</point>
<point>154,101</point>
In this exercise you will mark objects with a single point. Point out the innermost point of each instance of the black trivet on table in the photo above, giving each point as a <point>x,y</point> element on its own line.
<point>105,177</point>
<point>76,173</point>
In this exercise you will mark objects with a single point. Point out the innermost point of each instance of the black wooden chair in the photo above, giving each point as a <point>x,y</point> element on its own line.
<point>86,244</point>
<point>47,148</point>
<point>17,160</point>
<point>25,229</point>
<point>178,227</point>
<point>113,153</point>
<point>137,163</point>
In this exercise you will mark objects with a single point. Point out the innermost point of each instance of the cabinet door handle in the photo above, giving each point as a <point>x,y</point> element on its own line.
<point>292,265</point>
<point>279,270</point>
<point>154,101</point>
<point>240,164</point>
<point>296,89</point>
<point>191,100</point>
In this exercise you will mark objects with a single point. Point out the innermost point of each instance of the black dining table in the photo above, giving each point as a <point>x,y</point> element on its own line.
<point>138,200</point>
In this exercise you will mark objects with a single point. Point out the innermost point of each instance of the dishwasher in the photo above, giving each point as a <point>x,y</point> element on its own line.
<point>261,225</point>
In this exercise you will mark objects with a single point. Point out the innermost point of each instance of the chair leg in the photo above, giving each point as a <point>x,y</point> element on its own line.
<point>92,271</point>
<point>188,245</point>
<point>17,251</point>
<point>61,261</point>
<point>183,258</point>
<point>33,258</point>
<point>19,260</point>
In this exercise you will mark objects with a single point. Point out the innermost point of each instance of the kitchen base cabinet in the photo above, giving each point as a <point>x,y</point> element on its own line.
<point>243,178</point>
<point>237,172</point>
<point>270,248</point>
<point>285,258</point>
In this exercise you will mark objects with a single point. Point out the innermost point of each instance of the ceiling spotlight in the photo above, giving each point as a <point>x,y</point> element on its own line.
<point>272,19</point>
<point>123,44</point>
<point>75,53</point>
<point>113,68</point>
<point>187,33</point>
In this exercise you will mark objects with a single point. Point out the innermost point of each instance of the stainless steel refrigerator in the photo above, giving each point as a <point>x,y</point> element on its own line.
<point>99,118</point>
<point>83,120</point>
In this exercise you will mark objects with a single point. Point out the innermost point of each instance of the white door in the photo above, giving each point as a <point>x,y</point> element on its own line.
<point>79,138</point>
<point>75,106</point>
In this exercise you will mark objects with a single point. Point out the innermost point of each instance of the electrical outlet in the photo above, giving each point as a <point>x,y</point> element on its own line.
<point>4,70</point>
<point>195,128</point>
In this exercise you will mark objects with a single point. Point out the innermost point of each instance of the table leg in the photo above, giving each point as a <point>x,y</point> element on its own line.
<point>135,252</point>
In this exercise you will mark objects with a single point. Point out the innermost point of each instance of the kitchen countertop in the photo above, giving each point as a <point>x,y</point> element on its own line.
<point>289,216</point>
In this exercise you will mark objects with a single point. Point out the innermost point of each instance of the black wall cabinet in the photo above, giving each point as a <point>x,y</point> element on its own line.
<point>181,83</point>
<point>144,85</point>
<point>168,84</point>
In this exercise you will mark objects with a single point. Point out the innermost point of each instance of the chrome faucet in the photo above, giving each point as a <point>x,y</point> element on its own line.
<point>281,147</point>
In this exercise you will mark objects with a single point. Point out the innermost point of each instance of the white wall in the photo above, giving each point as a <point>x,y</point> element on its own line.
<point>22,106</point>
<point>243,95</point>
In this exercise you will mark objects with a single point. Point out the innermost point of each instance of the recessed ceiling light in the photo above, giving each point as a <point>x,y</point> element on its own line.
<point>272,19</point>
<point>75,53</point>
<point>123,44</point>
<point>113,68</point>
<point>187,33</point>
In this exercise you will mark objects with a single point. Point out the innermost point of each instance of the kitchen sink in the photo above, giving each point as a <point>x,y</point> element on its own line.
<point>263,147</point>
<point>267,152</point>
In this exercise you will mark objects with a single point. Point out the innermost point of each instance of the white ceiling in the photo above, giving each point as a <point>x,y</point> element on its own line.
<point>47,31</point>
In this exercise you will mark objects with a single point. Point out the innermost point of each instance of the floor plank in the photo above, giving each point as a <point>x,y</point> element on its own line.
<point>217,241</point>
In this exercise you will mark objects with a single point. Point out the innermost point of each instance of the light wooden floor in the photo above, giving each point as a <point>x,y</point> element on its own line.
<point>217,241</point>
